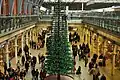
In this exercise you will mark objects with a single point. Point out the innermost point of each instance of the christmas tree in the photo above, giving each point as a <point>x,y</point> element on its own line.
<point>59,60</point>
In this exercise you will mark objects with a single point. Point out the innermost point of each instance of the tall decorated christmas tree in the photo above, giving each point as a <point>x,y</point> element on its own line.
<point>59,60</point>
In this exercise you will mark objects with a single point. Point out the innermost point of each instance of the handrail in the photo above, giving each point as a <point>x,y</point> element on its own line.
<point>18,16</point>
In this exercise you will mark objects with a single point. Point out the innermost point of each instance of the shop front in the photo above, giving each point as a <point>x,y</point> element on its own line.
<point>19,45</point>
<point>2,53</point>
<point>11,48</point>
<point>117,58</point>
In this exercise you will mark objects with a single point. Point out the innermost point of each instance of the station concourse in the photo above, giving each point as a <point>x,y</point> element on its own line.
<point>59,40</point>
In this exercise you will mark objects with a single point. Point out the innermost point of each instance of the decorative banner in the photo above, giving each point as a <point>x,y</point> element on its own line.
<point>19,6</point>
<point>5,7</point>
<point>15,9</point>
<point>0,5</point>
<point>29,8</point>
<point>22,9</point>
<point>11,5</point>
<point>25,6</point>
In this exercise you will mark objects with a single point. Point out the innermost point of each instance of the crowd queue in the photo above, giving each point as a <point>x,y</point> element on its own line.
<point>83,51</point>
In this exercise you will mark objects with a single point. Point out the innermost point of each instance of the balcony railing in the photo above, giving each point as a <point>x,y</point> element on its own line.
<point>10,23</point>
<point>108,23</point>
<point>102,1</point>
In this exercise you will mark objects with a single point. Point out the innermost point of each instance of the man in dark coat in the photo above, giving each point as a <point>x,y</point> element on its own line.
<point>26,49</point>
<point>34,60</point>
<point>39,57</point>
<point>75,50</point>
<point>79,70</point>
<point>26,66</point>
<point>33,73</point>
<point>36,74</point>
<point>42,60</point>
<point>86,61</point>
<point>23,60</point>
<point>22,74</point>
<point>103,77</point>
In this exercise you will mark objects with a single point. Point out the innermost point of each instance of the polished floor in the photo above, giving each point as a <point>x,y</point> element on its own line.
<point>84,73</point>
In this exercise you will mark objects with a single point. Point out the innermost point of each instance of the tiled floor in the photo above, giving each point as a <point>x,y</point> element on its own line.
<point>84,73</point>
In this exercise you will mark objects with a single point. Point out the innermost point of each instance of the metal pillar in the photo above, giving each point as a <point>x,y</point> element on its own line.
<point>16,49</point>
<point>33,34</point>
<point>52,9</point>
<point>83,35</point>
<point>104,46</point>
<point>22,43</point>
<point>27,38</point>
<point>7,54</point>
<point>86,40</point>
<point>97,44</point>
<point>30,35</point>
<point>67,9</point>
<point>113,60</point>
<point>92,42</point>
<point>82,6</point>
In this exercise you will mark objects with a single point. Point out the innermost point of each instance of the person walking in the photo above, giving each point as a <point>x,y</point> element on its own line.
<point>41,75</point>
<point>22,74</point>
<point>23,60</point>
<point>103,77</point>
<point>39,57</point>
<point>86,61</point>
<point>26,66</point>
<point>97,73</point>
<point>36,74</point>
<point>26,49</point>
<point>34,60</point>
<point>33,74</point>
<point>18,64</point>
<point>78,70</point>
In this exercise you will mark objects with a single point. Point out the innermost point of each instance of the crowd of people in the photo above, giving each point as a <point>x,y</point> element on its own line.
<point>74,37</point>
<point>40,41</point>
<point>27,61</point>
<point>94,66</point>
<point>83,51</point>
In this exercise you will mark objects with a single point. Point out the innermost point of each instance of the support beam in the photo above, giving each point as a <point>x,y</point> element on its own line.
<point>52,9</point>
<point>27,38</point>
<point>97,44</point>
<point>30,34</point>
<point>22,43</point>
<point>16,48</point>
<point>82,6</point>
<point>113,60</point>
<point>22,8</point>
<point>93,42</point>
<point>104,46</point>
<point>15,9</point>
<point>7,54</point>
<point>67,9</point>
<point>5,7</point>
